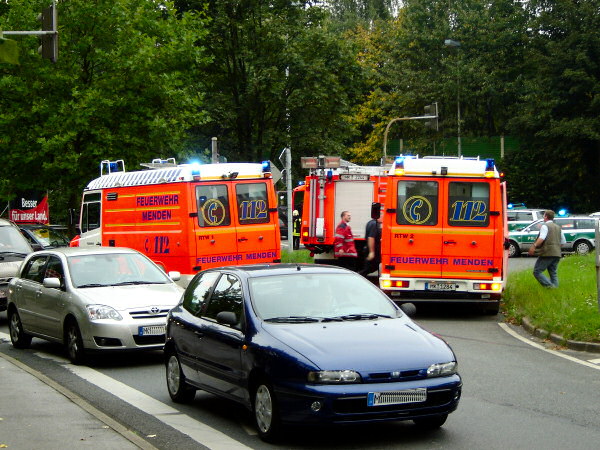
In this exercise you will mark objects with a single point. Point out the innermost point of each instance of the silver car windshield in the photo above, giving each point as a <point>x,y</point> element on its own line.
<point>114,269</point>
<point>12,241</point>
<point>305,297</point>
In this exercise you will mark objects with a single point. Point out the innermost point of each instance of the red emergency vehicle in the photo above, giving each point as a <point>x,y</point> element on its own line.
<point>186,217</point>
<point>444,231</point>
<point>333,186</point>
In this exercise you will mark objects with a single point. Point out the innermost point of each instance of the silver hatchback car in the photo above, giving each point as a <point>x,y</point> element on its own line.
<point>100,299</point>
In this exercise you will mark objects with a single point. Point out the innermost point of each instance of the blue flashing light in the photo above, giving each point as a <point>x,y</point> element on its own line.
<point>489,165</point>
<point>562,212</point>
<point>301,183</point>
<point>195,166</point>
<point>399,162</point>
<point>266,166</point>
<point>329,175</point>
<point>510,206</point>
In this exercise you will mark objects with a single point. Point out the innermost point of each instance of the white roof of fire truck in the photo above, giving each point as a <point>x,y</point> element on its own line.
<point>170,172</point>
<point>444,166</point>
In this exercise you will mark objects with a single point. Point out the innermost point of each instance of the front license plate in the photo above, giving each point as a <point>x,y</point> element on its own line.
<point>152,330</point>
<point>397,397</point>
<point>440,286</point>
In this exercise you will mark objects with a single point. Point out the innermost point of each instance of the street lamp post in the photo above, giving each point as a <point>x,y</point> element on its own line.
<point>452,43</point>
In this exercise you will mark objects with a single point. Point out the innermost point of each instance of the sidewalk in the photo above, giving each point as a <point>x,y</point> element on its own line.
<point>36,412</point>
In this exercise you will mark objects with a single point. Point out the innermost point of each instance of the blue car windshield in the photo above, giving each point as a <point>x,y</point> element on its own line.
<point>341,296</point>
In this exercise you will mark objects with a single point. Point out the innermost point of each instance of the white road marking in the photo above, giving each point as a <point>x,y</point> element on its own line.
<point>198,431</point>
<point>594,361</point>
<point>516,335</point>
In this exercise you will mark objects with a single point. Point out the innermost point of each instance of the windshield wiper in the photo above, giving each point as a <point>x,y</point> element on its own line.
<point>14,253</point>
<point>125,283</point>
<point>293,319</point>
<point>363,316</point>
<point>91,285</point>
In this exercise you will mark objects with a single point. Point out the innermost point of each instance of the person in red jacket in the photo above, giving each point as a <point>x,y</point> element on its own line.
<point>343,245</point>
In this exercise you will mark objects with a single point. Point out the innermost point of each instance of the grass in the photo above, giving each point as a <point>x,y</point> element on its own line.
<point>297,256</point>
<point>570,311</point>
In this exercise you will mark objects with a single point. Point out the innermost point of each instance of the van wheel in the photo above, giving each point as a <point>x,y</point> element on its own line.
<point>18,337</point>
<point>74,343</point>
<point>513,249</point>
<point>582,247</point>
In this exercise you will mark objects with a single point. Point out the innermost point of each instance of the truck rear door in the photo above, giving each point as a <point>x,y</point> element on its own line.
<point>471,220</point>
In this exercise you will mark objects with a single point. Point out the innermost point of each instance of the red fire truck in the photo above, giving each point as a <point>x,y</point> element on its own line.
<point>186,217</point>
<point>444,226</point>
<point>333,186</point>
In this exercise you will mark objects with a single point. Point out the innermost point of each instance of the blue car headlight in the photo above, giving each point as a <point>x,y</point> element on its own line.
<point>334,377</point>
<point>441,369</point>
<point>97,312</point>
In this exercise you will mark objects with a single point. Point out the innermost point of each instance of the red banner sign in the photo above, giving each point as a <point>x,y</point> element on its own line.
<point>31,211</point>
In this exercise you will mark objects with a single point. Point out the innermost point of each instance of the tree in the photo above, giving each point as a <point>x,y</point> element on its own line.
<point>121,89</point>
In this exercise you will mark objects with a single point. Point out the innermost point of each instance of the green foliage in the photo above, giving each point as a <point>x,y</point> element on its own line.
<point>120,90</point>
<point>570,311</point>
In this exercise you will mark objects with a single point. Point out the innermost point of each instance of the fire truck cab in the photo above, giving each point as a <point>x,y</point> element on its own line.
<point>334,186</point>
<point>186,217</point>
<point>444,231</point>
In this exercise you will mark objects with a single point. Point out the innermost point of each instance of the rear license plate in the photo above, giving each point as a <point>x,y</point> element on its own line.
<point>152,330</point>
<point>396,397</point>
<point>440,286</point>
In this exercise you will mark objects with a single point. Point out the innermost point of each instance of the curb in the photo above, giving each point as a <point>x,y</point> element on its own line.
<point>591,347</point>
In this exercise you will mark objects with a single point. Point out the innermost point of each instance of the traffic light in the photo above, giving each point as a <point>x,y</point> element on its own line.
<point>49,40</point>
<point>432,112</point>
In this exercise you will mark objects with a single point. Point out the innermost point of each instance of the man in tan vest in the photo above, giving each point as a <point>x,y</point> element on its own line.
<point>547,248</point>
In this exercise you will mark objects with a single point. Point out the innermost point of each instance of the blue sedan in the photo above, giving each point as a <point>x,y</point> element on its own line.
<point>306,344</point>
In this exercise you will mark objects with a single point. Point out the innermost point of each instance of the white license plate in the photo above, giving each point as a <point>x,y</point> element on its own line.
<point>440,286</point>
<point>152,330</point>
<point>396,397</point>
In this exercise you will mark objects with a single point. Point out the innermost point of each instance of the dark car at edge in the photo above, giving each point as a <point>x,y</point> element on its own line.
<point>306,345</point>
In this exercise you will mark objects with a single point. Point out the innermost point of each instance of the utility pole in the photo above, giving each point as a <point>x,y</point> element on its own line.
<point>49,33</point>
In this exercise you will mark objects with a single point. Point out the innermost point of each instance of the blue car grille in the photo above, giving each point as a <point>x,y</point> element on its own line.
<point>357,405</point>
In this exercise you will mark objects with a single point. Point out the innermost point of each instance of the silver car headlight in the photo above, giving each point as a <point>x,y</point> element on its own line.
<point>441,369</point>
<point>97,312</point>
<point>334,377</point>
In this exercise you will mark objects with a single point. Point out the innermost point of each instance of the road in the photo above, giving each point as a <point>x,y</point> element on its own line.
<point>517,394</point>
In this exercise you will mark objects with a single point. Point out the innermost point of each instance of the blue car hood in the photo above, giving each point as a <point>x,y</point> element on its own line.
<point>364,345</point>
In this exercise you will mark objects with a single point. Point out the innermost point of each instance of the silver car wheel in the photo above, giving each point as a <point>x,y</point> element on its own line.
<point>74,344</point>
<point>263,408</point>
<point>173,375</point>
<point>15,327</point>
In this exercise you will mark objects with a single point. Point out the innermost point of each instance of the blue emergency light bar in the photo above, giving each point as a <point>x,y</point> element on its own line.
<point>266,166</point>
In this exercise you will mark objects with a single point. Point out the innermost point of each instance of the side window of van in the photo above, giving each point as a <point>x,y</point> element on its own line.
<point>468,204</point>
<point>213,205</point>
<point>252,203</point>
<point>90,212</point>
<point>417,203</point>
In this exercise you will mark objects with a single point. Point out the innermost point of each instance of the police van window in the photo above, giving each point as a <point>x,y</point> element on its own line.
<point>417,203</point>
<point>585,224</point>
<point>90,213</point>
<point>565,224</point>
<point>213,205</point>
<point>196,296</point>
<point>468,204</point>
<point>525,216</point>
<point>252,203</point>
<point>227,296</point>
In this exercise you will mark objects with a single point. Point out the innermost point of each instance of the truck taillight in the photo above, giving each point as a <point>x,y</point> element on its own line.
<point>395,283</point>
<point>487,286</point>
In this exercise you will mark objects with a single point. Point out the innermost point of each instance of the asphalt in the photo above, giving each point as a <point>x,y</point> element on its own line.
<point>36,412</point>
